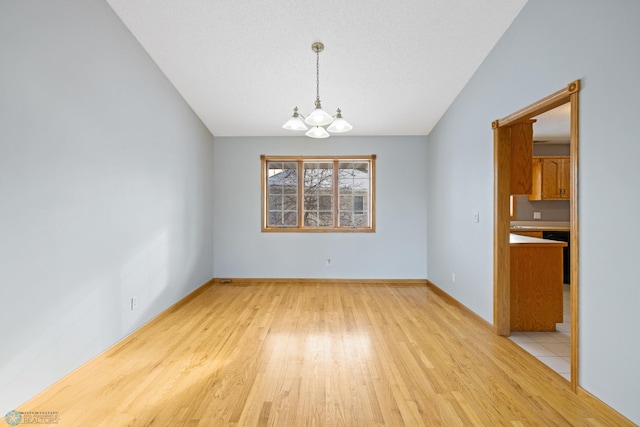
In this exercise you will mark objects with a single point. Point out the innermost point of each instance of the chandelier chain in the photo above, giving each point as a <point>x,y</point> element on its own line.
<point>318,76</point>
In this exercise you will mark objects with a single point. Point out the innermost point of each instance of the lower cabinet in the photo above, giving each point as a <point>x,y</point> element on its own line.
<point>536,286</point>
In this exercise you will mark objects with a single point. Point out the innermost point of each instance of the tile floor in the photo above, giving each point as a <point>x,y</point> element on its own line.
<point>551,348</point>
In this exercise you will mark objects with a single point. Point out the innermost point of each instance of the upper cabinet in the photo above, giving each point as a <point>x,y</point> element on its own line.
<point>521,135</point>
<point>551,178</point>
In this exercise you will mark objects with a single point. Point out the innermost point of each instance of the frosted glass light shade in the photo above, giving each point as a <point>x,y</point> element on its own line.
<point>339,125</point>
<point>318,117</point>
<point>317,132</point>
<point>295,123</point>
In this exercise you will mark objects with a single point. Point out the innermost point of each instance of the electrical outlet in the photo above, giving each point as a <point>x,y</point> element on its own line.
<point>134,303</point>
<point>476,216</point>
<point>328,262</point>
<point>537,215</point>
<point>453,277</point>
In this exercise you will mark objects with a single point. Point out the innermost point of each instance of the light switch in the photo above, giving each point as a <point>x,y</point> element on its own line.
<point>536,215</point>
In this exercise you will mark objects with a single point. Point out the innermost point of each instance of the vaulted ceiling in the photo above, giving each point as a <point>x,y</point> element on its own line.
<point>392,66</point>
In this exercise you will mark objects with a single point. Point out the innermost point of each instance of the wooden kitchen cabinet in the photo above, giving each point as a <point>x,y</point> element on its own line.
<point>536,300</point>
<point>551,178</point>
<point>521,157</point>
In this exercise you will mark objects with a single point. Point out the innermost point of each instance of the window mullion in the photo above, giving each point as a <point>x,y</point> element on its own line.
<point>335,193</point>
<point>300,193</point>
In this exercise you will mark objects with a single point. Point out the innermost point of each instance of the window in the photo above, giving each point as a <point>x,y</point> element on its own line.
<point>318,194</point>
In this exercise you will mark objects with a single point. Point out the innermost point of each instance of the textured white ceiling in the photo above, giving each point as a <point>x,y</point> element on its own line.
<point>392,66</point>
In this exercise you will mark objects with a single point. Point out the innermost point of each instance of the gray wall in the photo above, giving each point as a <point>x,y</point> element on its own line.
<point>396,250</point>
<point>105,190</point>
<point>550,44</point>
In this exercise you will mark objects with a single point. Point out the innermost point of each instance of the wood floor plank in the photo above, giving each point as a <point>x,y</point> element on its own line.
<point>319,354</point>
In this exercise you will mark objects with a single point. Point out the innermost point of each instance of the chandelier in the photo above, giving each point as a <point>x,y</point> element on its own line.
<point>320,121</point>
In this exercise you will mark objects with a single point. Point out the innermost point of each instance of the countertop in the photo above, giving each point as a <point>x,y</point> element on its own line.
<point>517,240</point>
<point>540,225</point>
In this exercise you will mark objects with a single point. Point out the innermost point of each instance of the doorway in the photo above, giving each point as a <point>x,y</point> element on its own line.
<point>504,162</point>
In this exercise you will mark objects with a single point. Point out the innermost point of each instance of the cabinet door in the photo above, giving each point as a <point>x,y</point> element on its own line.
<point>551,178</point>
<point>556,178</point>
<point>564,180</point>
<point>521,157</point>
<point>536,172</point>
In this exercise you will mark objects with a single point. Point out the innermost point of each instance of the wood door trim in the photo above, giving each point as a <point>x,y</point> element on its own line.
<point>502,219</point>
<point>545,104</point>
<point>574,237</point>
<point>501,248</point>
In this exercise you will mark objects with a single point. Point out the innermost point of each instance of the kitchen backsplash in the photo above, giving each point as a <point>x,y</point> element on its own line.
<point>550,210</point>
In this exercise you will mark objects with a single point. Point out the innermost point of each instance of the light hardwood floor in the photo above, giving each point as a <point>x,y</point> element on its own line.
<point>317,354</point>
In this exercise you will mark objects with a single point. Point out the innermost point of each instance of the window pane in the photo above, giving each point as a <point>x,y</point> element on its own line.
<point>275,202</point>
<point>318,194</point>
<point>353,189</point>
<point>318,177</point>
<point>311,219</point>
<point>345,202</point>
<point>361,221</point>
<point>310,202</point>
<point>275,218</point>
<point>283,219</point>
<point>358,204</point>
<point>282,188</point>
<point>290,165</point>
<point>290,189</point>
<point>345,219</point>
<point>290,219</point>
<point>326,203</point>
<point>282,176</point>
<point>326,219</point>
<point>290,203</point>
